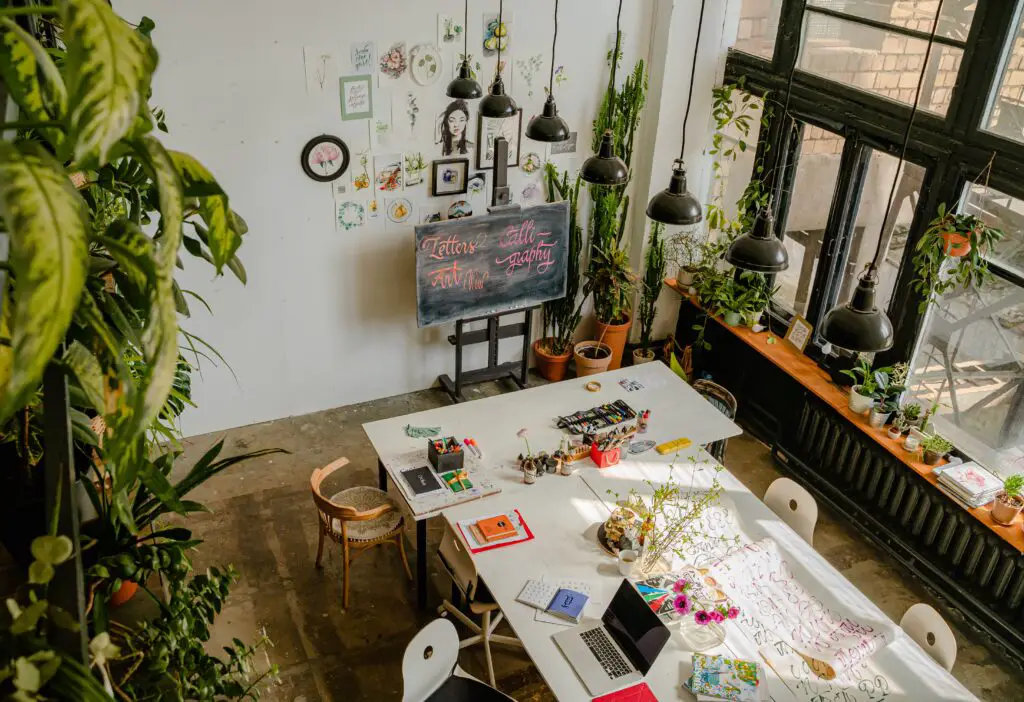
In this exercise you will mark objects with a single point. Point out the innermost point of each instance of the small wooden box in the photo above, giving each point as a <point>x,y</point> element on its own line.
<point>444,462</point>
<point>605,459</point>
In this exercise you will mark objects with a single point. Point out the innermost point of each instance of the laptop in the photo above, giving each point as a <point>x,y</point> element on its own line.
<point>620,649</point>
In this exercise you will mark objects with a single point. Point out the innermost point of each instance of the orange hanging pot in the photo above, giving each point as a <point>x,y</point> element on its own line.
<point>956,244</point>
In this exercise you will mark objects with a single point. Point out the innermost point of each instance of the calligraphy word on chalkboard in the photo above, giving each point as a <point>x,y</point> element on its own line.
<point>479,266</point>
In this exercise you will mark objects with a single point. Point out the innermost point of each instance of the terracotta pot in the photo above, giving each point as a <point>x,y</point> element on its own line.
<point>1004,511</point>
<point>956,244</point>
<point>860,403</point>
<point>642,356</point>
<point>614,335</point>
<point>550,366</point>
<point>587,364</point>
<point>124,593</point>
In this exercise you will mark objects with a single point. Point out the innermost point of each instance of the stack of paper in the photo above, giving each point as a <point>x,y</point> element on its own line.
<point>556,601</point>
<point>969,484</point>
<point>720,678</point>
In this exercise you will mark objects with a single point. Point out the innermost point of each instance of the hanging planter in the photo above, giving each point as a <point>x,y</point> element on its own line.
<point>956,244</point>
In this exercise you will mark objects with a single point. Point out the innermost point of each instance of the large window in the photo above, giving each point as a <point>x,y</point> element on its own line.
<point>759,23</point>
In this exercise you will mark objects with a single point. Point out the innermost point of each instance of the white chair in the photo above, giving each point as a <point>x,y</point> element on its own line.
<point>431,662</point>
<point>931,632</point>
<point>794,505</point>
<point>457,563</point>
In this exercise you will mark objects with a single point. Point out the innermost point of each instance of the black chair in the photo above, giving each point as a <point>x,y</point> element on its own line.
<point>725,403</point>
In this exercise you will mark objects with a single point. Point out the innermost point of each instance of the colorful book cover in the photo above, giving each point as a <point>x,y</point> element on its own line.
<point>495,528</point>
<point>637,693</point>
<point>568,604</point>
<point>972,478</point>
<point>724,678</point>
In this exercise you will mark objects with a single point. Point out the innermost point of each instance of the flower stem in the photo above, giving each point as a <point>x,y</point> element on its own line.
<point>33,10</point>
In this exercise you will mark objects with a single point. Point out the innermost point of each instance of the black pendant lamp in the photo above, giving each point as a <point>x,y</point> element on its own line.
<point>549,127</point>
<point>759,250</point>
<point>859,325</point>
<point>465,87</point>
<point>605,168</point>
<point>496,103</point>
<point>676,205</point>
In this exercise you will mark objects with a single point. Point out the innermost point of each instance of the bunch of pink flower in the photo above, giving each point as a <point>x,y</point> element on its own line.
<point>683,605</point>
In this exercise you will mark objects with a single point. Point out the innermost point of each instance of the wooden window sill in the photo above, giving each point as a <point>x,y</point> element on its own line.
<point>806,372</point>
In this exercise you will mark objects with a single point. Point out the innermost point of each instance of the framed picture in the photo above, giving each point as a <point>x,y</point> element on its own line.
<point>324,158</point>
<point>451,177</point>
<point>356,97</point>
<point>799,332</point>
<point>490,128</point>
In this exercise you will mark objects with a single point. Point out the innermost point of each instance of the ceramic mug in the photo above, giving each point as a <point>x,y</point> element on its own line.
<point>627,561</point>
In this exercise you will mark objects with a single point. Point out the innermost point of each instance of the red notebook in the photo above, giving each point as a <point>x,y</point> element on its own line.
<point>637,693</point>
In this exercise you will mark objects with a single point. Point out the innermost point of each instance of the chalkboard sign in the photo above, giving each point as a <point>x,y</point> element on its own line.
<point>491,264</point>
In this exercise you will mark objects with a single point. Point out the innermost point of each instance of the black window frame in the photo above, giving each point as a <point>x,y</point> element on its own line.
<point>953,148</point>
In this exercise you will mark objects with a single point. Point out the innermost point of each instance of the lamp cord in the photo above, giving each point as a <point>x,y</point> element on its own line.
<point>906,135</point>
<point>615,63</point>
<point>693,76</point>
<point>777,187</point>
<point>465,34</point>
<point>554,43</point>
<point>501,19</point>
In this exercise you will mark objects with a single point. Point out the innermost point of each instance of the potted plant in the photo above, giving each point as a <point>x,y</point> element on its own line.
<point>910,413</point>
<point>880,413</point>
<point>1009,502</point>
<point>612,283</point>
<point>685,251</point>
<point>951,254</point>
<point>895,430</point>
<point>592,357</point>
<point>561,317</point>
<point>862,393</point>
<point>654,273</point>
<point>935,448</point>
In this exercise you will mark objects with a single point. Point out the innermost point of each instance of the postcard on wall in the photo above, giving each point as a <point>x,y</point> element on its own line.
<point>373,209</point>
<point>496,34</point>
<point>350,215</point>
<point>388,170</point>
<point>363,57</point>
<point>413,165</point>
<point>356,97</point>
<point>489,129</point>
<point>450,30</point>
<point>381,125</point>
<point>565,147</point>
<point>452,129</point>
<point>321,70</point>
<point>361,171</point>
<point>393,60</point>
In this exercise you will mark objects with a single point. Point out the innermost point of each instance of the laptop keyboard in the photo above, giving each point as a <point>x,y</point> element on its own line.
<point>607,655</point>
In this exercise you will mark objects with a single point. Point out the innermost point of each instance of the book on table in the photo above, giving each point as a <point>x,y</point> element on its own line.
<point>721,678</point>
<point>565,603</point>
<point>969,483</point>
<point>496,528</point>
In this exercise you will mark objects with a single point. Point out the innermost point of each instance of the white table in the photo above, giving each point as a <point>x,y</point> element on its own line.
<point>494,421</point>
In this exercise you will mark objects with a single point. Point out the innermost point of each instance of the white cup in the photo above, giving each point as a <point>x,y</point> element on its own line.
<point>627,561</point>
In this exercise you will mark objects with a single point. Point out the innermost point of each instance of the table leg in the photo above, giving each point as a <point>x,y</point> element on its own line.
<point>382,476</point>
<point>421,564</point>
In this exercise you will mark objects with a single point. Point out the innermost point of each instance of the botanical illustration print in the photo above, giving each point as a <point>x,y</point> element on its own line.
<point>531,192</point>
<point>529,69</point>
<point>361,177</point>
<point>477,183</point>
<point>326,158</point>
<point>450,178</point>
<point>475,67</point>
<point>531,162</point>
<point>425,64</point>
<point>321,69</point>
<point>414,167</point>
<point>560,77</point>
<point>351,215</point>
<point>372,209</point>
<point>449,30</point>
<point>399,210</point>
<point>460,209</point>
<point>453,129</point>
<point>389,172</point>
<point>363,55</point>
<point>496,35</point>
<point>394,62</point>
<point>412,111</point>
<point>381,126</point>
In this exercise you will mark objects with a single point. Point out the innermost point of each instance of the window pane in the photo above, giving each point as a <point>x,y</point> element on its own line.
<point>877,61</point>
<point>759,22</point>
<point>910,14</point>
<point>1006,113</point>
<point>971,359</point>
<point>816,173</point>
<point>869,223</point>
<point>1006,213</point>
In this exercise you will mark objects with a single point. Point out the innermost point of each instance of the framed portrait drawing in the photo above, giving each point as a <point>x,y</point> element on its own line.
<point>451,177</point>
<point>489,128</point>
<point>799,333</point>
<point>356,97</point>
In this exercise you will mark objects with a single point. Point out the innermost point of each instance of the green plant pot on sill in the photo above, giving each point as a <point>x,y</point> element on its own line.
<point>733,319</point>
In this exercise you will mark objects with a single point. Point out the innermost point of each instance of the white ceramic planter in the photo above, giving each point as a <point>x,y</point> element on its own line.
<point>860,403</point>
<point>685,277</point>
<point>877,419</point>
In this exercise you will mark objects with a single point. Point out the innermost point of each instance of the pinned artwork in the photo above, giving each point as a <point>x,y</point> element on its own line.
<point>350,215</point>
<point>412,112</point>
<point>452,130</point>
<point>399,210</point>
<point>361,175</point>
<point>425,64</point>
<point>496,34</point>
<point>321,69</point>
<point>324,158</point>
<point>475,67</point>
<point>565,147</point>
<point>381,125</point>
<point>373,209</point>
<point>489,129</point>
<point>429,217</point>
<point>450,177</point>
<point>531,192</point>
<point>531,162</point>
<point>413,166</point>
<point>388,169</point>
<point>477,183</point>
<point>449,31</point>
<point>356,97</point>
<point>363,57</point>
<point>529,69</point>
<point>460,209</point>
<point>394,61</point>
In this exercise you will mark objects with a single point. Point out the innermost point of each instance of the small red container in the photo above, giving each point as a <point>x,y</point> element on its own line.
<point>604,459</point>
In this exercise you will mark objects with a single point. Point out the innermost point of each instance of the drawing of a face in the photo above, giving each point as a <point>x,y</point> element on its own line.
<point>457,124</point>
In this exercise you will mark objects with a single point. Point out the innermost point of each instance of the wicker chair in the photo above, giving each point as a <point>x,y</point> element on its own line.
<point>725,403</point>
<point>358,518</point>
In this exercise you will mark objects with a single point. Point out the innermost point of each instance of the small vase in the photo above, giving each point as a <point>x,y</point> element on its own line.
<point>529,477</point>
<point>697,637</point>
<point>733,319</point>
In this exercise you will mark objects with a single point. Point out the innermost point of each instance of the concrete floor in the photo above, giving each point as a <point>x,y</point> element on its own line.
<point>263,521</point>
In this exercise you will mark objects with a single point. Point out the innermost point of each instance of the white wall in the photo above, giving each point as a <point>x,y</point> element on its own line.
<point>328,317</point>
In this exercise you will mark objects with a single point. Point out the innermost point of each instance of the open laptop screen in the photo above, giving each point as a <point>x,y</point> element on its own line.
<point>639,632</point>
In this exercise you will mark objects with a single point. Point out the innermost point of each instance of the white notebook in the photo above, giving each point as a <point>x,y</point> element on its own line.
<point>537,593</point>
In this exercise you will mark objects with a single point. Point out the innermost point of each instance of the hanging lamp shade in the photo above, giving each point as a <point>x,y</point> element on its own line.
<point>496,103</point>
<point>605,168</point>
<point>465,87</point>
<point>759,250</point>
<point>675,204</point>
<point>548,126</point>
<point>859,325</point>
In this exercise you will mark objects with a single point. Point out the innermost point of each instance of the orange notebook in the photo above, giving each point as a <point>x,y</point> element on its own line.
<point>496,528</point>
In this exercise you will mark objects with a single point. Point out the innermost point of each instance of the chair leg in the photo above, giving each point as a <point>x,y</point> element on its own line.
<point>320,548</point>
<point>486,635</point>
<point>405,561</point>
<point>344,575</point>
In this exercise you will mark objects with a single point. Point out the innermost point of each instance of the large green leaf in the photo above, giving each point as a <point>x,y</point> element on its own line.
<point>88,372</point>
<point>47,225</point>
<point>225,227</point>
<point>31,76</point>
<point>109,68</point>
<point>132,249</point>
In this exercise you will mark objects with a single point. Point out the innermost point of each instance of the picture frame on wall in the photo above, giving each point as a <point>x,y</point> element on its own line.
<point>450,177</point>
<point>356,97</point>
<point>489,128</point>
<point>799,333</point>
<point>324,158</point>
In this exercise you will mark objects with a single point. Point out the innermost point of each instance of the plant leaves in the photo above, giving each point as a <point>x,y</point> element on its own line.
<point>26,675</point>
<point>47,225</point>
<point>157,483</point>
<point>40,573</point>
<point>28,618</point>
<point>31,77</point>
<point>132,249</point>
<point>53,550</point>
<point>109,69</point>
<point>225,228</point>
<point>88,372</point>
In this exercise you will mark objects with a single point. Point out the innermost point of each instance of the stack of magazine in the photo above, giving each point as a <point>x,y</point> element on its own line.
<point>969,484</point>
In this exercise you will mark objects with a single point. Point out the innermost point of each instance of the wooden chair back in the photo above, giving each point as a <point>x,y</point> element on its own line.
<point>331,510</point>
